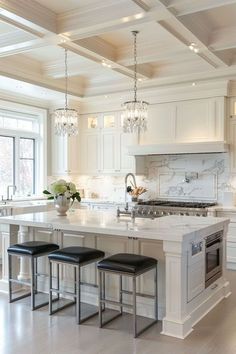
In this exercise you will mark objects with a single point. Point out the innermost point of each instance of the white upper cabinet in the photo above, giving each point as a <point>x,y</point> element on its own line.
<point>104,145</point>
<point>186,121</point>
<point>65,158</point>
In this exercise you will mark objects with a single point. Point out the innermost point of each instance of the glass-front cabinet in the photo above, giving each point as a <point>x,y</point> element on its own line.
<point>102,139</point>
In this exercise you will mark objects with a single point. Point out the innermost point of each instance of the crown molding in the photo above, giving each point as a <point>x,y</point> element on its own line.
<point>158,95</point>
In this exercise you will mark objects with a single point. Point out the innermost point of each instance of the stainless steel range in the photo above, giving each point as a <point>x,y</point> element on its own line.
<point>158,208</point>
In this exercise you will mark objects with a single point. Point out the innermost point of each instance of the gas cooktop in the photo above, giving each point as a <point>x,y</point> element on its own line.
<point>177,204</point>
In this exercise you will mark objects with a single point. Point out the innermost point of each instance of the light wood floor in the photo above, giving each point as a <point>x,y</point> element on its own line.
<point>23,331</point>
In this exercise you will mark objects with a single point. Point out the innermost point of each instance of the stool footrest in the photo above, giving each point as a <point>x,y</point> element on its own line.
<point>62,292</point>
<point>116,303</point>
<point>145,328</point>
<point>20,297</point>
<point>62,307</point>
<point>110,319</point>
<point>19,282</point>
<point>138,294</point>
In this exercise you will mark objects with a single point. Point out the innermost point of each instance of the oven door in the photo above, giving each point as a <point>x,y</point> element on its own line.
<point>214,255</point>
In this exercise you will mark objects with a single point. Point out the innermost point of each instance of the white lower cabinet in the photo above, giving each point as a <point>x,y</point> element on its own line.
<point>231,238</point>
<point>195,270</point>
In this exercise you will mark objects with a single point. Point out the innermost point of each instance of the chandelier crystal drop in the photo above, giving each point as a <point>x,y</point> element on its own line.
<point>66,119</point>
<point>135,112</point>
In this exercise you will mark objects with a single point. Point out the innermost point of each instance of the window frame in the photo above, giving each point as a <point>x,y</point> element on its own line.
<point>40,141</point>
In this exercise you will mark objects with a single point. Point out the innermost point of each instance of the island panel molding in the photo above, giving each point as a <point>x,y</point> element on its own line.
<point>105,231</point>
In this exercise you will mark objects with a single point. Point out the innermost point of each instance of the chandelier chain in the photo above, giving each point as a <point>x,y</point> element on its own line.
<point>66,119</point>
<point>135,112</point>
<point>135,65</point>
<point>66,79</point>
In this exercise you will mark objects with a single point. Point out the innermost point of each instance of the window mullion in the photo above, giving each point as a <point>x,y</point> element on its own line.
<point>17,162</point>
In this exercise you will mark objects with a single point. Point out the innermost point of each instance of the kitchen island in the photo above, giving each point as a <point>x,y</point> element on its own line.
<point>178,242</point>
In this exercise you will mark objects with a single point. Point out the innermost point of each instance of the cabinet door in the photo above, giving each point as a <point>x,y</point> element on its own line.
<point>108,149</point>
<point>73,155</point>
<point>126,162</point>
<point>90,153</point>
<point>59,155</point>
<point>196,273</point>
<point>146,282</point>
<point>232,141</point>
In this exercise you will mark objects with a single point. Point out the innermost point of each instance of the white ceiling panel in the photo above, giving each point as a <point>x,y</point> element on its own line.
<point>100,48</point>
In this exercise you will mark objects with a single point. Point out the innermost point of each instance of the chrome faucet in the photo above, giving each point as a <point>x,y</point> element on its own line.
<point>8,191</point>
<point>134,185</point>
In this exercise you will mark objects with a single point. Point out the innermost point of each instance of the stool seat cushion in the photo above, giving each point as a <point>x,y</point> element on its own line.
<point>32,248</point>
<point>76,254</point>
<point>127,263</point>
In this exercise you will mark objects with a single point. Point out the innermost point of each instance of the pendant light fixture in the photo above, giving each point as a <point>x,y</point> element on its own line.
<point>135,112</point>
<point>66,119</point>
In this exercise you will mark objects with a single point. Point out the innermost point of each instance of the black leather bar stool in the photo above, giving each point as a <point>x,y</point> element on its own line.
<point>129,265</point>
<point>32,250</point>
<point>77,257</point>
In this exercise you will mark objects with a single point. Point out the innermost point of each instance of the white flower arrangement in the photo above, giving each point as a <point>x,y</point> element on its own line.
<point>61,187</point>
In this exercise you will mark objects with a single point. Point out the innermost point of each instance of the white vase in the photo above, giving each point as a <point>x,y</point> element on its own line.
<point>62,204</point>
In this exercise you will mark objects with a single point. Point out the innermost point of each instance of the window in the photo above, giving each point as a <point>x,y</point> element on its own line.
<point>22,152</point>
<point>26,171</point>
<point>6,163</point>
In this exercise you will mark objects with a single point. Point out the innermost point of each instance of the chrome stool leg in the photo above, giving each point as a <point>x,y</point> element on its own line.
<point>50,288</point>
<point>36,275</point>
<point>78,295</point>
<point>32,284</point>
<point>10,277</point>
<point>134,309</point>
<point>100,296</point>
<point>104,289</point>
<point>58,281</point>
<point>156,293</point>
<point>121,295</point>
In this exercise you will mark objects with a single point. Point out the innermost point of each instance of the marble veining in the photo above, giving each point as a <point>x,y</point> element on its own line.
<point>164,179</point>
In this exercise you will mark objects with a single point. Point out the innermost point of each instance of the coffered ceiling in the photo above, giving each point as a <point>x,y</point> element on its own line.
<point>97,34</point>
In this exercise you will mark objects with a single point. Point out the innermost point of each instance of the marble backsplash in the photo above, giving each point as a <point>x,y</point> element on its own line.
<point>208,174</point>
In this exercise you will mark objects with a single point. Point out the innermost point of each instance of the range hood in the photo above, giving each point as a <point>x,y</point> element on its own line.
<point>178,148</point>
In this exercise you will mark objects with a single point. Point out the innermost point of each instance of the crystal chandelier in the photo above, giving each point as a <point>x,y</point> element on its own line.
<point>135,112</point>
<point>66,119</point>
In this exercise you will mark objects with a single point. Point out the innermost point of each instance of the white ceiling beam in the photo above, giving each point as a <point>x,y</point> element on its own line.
<point>98,46</point>
<point>96,21</point>
<point>21,26</point>
<point>141,4</point>
<point>28,15</point>
<point>14,37</point>
<point>89,53</point>
<point>189,7</point>
<point>186,35</point>
<point>22,47</point>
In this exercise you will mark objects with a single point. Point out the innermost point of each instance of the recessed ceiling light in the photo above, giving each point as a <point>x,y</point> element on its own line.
<point>138,16</point>
<point>193,83</point>
<point>104,63</point>
<point>193,46</point>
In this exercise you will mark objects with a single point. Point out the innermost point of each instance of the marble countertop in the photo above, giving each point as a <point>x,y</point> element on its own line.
<point>172,228</point>
<point>24,203</point>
